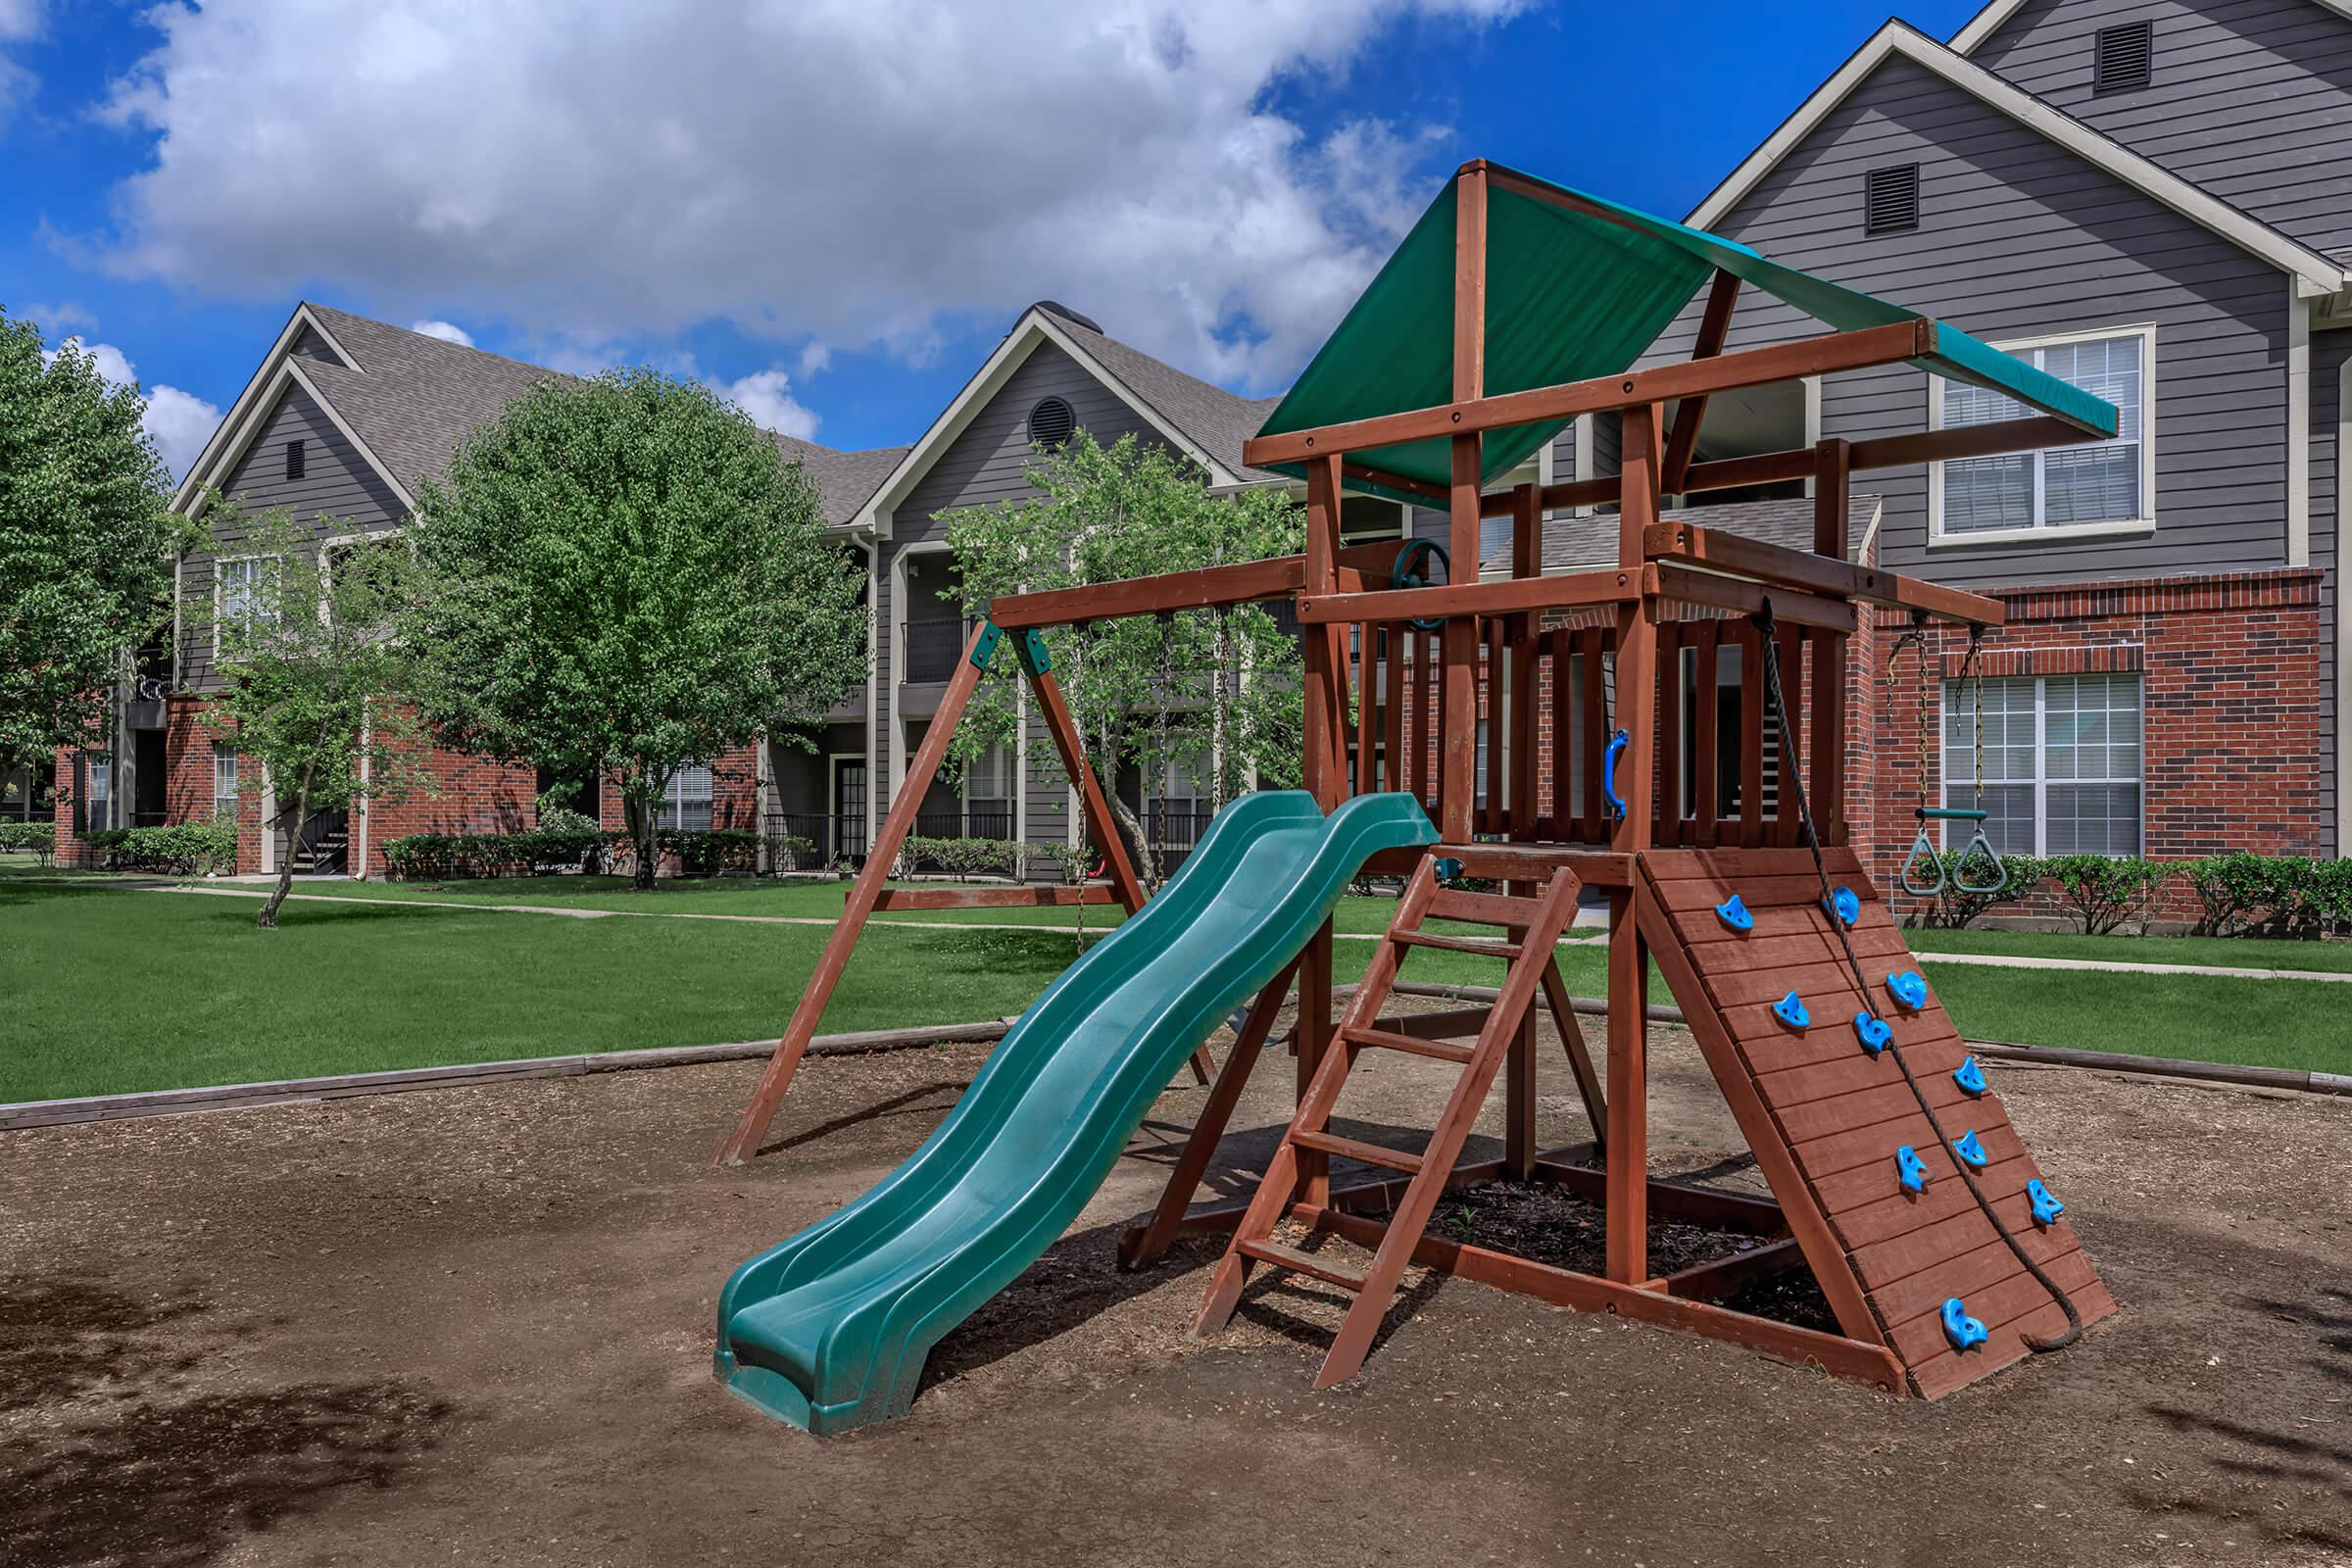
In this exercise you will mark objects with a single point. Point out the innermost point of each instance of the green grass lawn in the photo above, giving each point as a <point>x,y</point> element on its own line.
<point>2230,953</point>
<point>154,991</point>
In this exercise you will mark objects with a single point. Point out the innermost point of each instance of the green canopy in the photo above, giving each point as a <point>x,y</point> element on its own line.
<point>1574,294</point>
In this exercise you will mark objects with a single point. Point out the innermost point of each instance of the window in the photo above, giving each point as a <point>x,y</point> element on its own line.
<point>1052,424</point>
<point>296,451</point>
<point>686,804</point>
<point>1179,808</point>
<point>98,784</point>
<point>1890,199</point>
<point>225,780</point>
<point>24,794</point>
<point>2062,764</point>
<point>988,785</point>
<point>2102,486</point>
<point>240,595</point>
<point>2124,56</point>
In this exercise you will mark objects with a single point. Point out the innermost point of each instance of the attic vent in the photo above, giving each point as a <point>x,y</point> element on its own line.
<point>1050,424</point>
<point>1890,199</point>
<point>295,452</point>
<point>2125,57</point>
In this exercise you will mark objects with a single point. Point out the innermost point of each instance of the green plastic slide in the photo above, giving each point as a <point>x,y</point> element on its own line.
<point>829,1329</point>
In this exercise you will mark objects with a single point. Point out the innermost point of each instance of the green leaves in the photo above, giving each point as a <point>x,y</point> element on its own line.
<point>86,540</point>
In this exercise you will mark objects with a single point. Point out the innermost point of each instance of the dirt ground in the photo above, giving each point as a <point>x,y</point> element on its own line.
<point>474,1327</point>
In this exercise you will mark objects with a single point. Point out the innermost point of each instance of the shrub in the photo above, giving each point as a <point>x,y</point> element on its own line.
<point>443,856</point>
<point>179,849</point>
<point>1955,908</point>
<point>2229,890</point>
<point>1071,861</point>
<point>960,859</point>
<point>40,838</point>
<point>2105,891</point>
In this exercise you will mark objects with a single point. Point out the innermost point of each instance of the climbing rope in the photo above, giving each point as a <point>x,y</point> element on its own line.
<point>1762,620</point>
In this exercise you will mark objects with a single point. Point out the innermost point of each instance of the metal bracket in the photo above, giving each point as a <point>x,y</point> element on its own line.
<point>986,648</point>
<point>1034,657</point>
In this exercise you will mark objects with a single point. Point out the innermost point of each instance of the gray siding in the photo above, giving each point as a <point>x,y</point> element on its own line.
<point>985,462</point>
<point>2331,352</point>
<point>2020,238</point>
<point>338,494</point>
<point>2251,99</point>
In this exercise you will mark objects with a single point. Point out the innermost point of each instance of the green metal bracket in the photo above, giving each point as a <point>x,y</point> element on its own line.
<point>986,648</point>
<point>1033,651</point>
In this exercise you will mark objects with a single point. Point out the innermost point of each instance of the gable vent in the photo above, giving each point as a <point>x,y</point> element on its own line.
<point>1050,424</point>
<point>296,451</point>
<point>2125,57</point>
<point>1890,199</point>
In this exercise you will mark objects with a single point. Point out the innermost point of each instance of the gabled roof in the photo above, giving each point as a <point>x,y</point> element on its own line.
<point>1576,287</point>
<point>1589,543</point>
<point>2314,274</point>
<point>405,400</point>
<point>1206,422</point>
<point>1988,21</point>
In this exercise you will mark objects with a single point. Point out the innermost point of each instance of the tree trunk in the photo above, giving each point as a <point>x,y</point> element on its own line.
<point>267,920</point>
<point>638,814</point>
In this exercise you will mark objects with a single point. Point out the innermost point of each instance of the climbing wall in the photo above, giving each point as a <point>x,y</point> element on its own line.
<point>1826,1117</point>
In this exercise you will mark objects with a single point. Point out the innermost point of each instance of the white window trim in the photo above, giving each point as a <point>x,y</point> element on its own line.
<point>2145,522</point>
<point>217,562</point>
<point>673,800</point>
<point>2041,770</point>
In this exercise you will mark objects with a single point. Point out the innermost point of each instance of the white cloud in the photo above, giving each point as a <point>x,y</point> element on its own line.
<point>446,332</point>
<point>50,318</point>
<point>179,422</point>
<point>766,396</point>
<point>852,172</point>
<point>815,358</point>
<point>19,23</point>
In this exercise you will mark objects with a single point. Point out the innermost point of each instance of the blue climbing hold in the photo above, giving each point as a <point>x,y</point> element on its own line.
<point>1909,988</point>
<point>1791,1011</point>
<point>1913,1170</point>
<point>2045,1207</point>
<point>1872,1032</point>
<point>1969,1076</point>
<point>1732,913</point>
<point>1844,905</point>
<point>1958,1327</point>
<point>1967,1148</point>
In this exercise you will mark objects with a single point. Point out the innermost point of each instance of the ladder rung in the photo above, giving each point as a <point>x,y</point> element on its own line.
<point>1350,1149</point>
<point>1298,1262</point>
<point>1483,908</point>
<point>1442,1050</point>
<point>1484,947</point>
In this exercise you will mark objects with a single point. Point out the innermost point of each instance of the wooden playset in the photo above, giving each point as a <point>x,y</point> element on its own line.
<point>1612,761</point>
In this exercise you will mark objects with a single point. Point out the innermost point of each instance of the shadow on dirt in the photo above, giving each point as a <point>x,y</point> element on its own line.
<point>123,1465</point>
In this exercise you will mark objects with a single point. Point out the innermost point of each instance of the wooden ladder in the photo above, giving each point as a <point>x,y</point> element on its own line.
<point>1540,920</point>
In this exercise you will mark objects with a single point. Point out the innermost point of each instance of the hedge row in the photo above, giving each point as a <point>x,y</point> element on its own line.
<point>180,849</point>
<point>544,851</point>
<point>40,838</point>
<point>964,859</point>
<point>2237,894</point>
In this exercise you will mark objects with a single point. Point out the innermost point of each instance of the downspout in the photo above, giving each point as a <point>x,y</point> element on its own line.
<point>2333,588</point>
<point>2298,426</point>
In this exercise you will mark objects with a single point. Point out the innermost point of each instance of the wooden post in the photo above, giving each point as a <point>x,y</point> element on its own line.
<point>744,1143</point>
<point>1325,773</point>
<point>1628,1141</point>
<point>1832,485</point>
<point>1054,708</point>
<point>1713,329</point>
<point>1519,1070</point>
<point>1458,740</point>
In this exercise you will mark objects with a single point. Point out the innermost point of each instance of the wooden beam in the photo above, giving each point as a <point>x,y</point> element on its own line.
<point>992,897</point>
<point>1688,544</point>
<point>1859,350</point>
<point>1713,329</point>
<point>1244,582</point>
<point>1744,598</point>
<point>1502,598</point>
<point>1054,709</point>
<point>744,1143</point>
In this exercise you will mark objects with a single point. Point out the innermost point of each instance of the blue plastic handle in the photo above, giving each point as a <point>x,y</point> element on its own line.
<point>1969,1076</point>
<point>1963,1330</point>
<point>1909,988</point>
<point>1407,574</point>
<point>1608,773</point>
<point>1732,913</point>
<point>1872,1032</point>
<point>1911,1169</point>
<point>1790,1010</point>
<point>1967,1148</point>
<point>1844,905</point>
<point>2045,1207</point>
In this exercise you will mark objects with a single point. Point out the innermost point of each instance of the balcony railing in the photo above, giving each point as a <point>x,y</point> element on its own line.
<point>932,649</point>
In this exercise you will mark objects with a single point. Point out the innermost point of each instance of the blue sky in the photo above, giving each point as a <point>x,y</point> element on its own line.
<point>830,212</point>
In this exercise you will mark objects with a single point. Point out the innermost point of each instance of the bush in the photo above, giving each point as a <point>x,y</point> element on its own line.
<point>2105,891</point>
<point>1071,861</point>
<point>39,838</point>
<point>180,849</point>
<point>1955,908</point>
<point>444,856</point>
<point>2271,894</point>
<point>960,859</point>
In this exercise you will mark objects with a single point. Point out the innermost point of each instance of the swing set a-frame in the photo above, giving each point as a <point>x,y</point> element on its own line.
<point>1669,730</point>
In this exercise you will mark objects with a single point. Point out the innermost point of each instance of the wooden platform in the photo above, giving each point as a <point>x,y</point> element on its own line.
<point>1825,1117</point>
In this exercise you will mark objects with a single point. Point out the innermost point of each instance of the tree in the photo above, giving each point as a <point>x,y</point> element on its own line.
<point>316,684</point>
<point>88,538</point>
<point>1214,693</point>
<point>624,574</point>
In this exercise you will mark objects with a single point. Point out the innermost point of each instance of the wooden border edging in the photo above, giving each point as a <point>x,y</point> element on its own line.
<point>2222,1072</point>
<point>31,1113</point>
